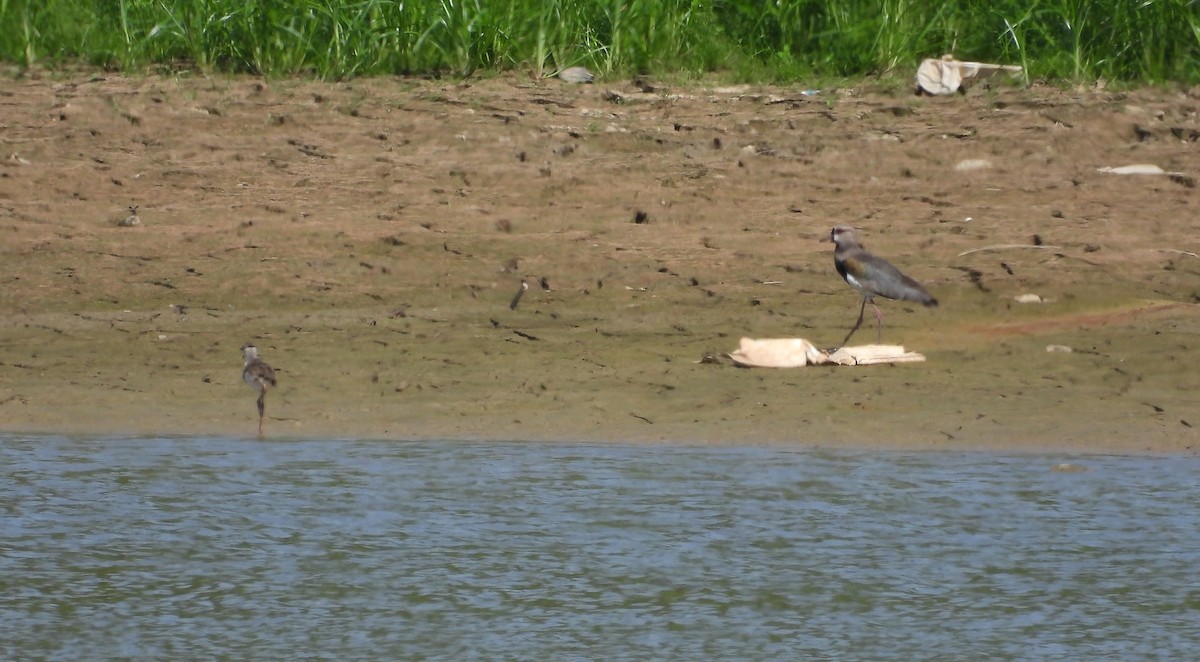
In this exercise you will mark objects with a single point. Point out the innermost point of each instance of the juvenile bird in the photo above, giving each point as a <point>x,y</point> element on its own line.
<point>872,276</point>
<point>258,376</point>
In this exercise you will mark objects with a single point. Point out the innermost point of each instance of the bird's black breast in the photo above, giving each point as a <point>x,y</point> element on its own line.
<point>841,267</point>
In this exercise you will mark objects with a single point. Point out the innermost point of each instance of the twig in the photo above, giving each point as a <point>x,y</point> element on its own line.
<point>1176,250</point>
<point>1001,247</point>
<point>140,258</point>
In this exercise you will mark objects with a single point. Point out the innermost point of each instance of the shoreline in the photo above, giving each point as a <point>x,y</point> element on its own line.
<point>1072,449</point>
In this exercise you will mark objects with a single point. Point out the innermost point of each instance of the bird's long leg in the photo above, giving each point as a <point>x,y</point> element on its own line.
<point>857,324</point>
<point>879,324</point>
<point>262,406</point>
<point>512,305</point>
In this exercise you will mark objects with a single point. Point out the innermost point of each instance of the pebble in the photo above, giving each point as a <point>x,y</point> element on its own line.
<point>967,165</point>
<point>576,75</point>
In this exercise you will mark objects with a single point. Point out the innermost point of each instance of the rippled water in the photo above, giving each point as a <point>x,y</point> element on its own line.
<point>215,548</point>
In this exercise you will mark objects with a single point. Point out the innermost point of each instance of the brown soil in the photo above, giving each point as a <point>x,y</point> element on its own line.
<point>368,237</point>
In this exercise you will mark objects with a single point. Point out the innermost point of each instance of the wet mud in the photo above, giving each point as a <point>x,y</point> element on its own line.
<point>370,238</point>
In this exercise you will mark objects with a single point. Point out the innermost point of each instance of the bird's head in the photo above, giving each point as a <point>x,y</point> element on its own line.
<point>249,352</point>
<point>843,235</point>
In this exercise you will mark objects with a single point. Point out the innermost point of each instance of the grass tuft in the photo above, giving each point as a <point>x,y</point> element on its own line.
<point>777,41</point>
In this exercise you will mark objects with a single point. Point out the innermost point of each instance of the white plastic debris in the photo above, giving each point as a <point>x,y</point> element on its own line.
<point>799,352</point>
<point>777,353</point>
<point>967,165</point>
<point>1137,169</point>
<point>946,75</point>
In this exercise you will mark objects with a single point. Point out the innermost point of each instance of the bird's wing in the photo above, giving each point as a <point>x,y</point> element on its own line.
<point>260,372</point>
<point>881,277</point>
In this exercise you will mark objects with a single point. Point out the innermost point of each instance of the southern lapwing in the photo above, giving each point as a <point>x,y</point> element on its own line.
<point>259,376</point>
<point>872,276</point>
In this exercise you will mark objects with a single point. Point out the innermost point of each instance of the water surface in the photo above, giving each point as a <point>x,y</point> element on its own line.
<point>216,548</point>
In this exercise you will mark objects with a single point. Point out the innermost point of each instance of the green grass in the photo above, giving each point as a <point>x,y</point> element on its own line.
<point>1140,41</point>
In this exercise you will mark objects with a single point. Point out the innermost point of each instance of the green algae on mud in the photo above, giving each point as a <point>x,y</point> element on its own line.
<point>357,375</point>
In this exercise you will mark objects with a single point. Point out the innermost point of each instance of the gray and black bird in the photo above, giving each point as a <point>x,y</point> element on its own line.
<point>872,276</point>
<point>258,376</point>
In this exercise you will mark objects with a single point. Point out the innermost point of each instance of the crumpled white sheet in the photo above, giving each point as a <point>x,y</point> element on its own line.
<point>798,352</point>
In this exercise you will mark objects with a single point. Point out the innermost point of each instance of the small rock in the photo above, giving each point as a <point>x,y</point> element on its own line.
<point>576,75</point>
<point>967,165</point>
<point>1183,180</point>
